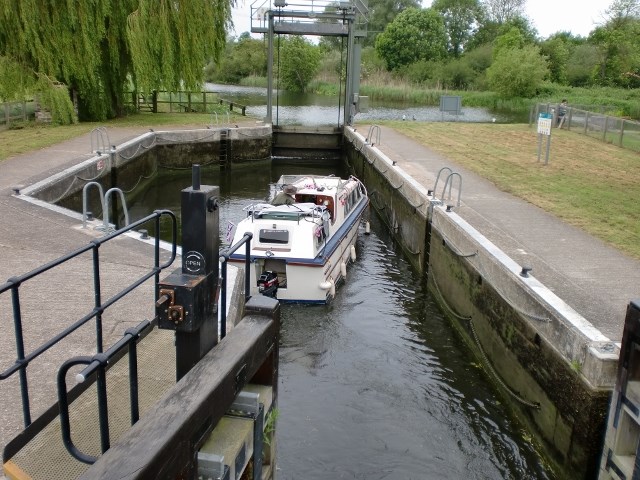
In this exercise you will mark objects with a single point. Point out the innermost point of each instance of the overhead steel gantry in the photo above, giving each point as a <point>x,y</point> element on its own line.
<point>322,18</point>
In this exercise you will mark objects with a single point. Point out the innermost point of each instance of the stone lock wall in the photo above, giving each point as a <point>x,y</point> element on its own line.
<point>550,364</point>
<point>504,326</point>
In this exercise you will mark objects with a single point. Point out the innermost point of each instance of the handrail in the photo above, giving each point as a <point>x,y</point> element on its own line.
<point>100,134</point>
<point>435,185</point>
<point>105,214</point>
<point>224,258</point>
<point>373,130</point>
<point>449,182</point>
<point>24,359</point>
<point>84,200</point>
<point>98,365</point>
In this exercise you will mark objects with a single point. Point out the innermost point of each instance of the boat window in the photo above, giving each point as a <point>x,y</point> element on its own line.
<point>273,236</point>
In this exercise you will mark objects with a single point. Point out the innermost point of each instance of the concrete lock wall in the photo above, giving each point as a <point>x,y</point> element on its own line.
<point>401,202</point>
<point>553,367</point>
<point>240,145</point>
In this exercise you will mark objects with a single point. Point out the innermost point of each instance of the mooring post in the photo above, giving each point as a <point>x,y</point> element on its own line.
<point>186,297</point>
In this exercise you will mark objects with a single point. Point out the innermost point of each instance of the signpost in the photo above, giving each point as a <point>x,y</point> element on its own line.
<point>544,128</point>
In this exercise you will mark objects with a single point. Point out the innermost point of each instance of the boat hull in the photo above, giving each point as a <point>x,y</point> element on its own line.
<point>302,242</point>
<point>310,280</point>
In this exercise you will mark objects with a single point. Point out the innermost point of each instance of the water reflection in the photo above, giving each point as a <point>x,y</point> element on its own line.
<point>291,108</point>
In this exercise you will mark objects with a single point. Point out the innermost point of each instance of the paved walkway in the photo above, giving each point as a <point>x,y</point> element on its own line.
<point>31,236</point>
<point>596,280</point>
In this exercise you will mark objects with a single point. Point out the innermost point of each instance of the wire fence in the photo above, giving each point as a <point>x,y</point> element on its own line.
<point>606,128</point>
<point>16,112</point>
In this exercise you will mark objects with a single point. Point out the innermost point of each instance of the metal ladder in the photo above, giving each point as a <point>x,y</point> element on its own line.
<point>105,203</point>
<point>225,148</point>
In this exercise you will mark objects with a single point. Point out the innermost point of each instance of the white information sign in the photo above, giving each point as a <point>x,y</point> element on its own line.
<point>544,124</point>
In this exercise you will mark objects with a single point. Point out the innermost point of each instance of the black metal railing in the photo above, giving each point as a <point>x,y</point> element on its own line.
<point>13,284</point>
<point>224,258</point>
<point>98,365</point>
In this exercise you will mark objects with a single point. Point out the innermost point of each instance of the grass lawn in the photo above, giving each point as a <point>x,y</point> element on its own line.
<point>587,183</point>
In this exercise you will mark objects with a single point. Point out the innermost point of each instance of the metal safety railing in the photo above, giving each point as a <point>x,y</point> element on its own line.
<point>105,203</point>
<point>14,284</point>
<point>224,258</point>
<point>98,365</point>
<point>314,9</point>
<point>448,183</point>
<point>100,142</point>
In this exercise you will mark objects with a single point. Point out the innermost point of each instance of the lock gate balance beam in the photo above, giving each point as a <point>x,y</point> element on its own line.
<point>164,442</point>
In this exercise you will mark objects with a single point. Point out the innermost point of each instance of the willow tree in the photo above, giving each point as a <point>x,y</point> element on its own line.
<point>101,48</point>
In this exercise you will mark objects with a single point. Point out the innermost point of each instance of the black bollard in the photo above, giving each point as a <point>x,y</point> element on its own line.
<point>186,297</point>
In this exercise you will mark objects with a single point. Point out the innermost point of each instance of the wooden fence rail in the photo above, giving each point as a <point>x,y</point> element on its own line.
<point>163,101</point>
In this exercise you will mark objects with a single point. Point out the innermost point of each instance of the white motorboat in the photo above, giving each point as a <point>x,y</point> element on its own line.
<point>303,240</point>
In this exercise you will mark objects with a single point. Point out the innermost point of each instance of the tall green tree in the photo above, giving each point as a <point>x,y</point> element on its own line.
<point>517,72</point>
<point>581,64</point>
<point>298,63</point>
<point>618,47</point>
<point>243,58</point>
<point>501,11</point>
<point>489,30</point>
<point>511,39</point>
<point>558,49</point>
<point>97,47</point>
<point>415,34</point>
<point>460,19</point>
<point>620,11</point>
<point>382,13</point>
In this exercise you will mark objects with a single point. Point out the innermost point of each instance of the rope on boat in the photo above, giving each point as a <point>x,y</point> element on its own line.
<point>489,368</point>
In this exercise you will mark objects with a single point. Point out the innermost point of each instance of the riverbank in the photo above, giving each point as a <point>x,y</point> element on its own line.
<point>27,137</point>
<point>385,87</point>
<point>587,183</point>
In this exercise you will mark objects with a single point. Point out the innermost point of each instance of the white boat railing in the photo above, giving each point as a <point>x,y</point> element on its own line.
<point>295,211</point>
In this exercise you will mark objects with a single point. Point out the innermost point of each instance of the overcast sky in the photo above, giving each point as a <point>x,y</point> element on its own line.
<point>548,16</point>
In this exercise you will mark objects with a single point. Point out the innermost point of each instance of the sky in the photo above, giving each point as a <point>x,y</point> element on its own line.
<point>577,16</point>
<point>548,16</point>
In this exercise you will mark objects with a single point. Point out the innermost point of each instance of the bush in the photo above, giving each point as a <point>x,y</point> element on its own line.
<point>517,72</point>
